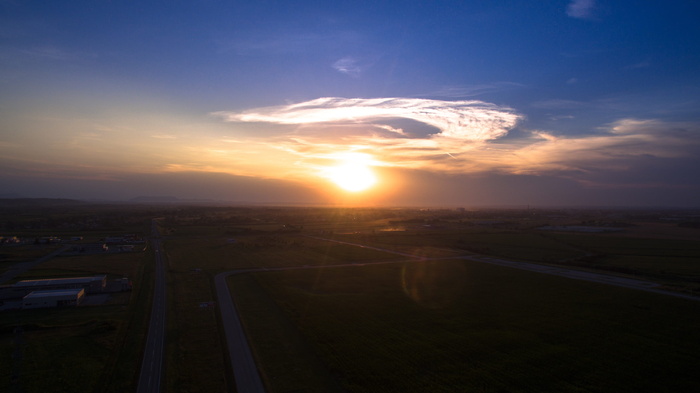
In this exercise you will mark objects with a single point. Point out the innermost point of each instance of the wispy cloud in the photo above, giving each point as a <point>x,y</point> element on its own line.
<point>641,64</point>
<point>391,129</point>
<point>350,66</point>
<point>581,9</point>
<point>557,104</point>
<point>289,43</point>
<point>617,148</point>
<point>47,52</point>
<point>466,120</point>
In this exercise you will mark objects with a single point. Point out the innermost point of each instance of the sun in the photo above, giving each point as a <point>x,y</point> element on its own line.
<point>353,173</point>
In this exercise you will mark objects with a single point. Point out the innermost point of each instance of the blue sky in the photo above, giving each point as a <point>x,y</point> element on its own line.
<point>584,102</point>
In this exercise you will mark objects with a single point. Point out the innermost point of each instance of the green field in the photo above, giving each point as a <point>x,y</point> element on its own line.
<point>465,326</point>
<point>675,262</point>
<point>12,254</point>
<point>672,262</point>
<point>523,245</point>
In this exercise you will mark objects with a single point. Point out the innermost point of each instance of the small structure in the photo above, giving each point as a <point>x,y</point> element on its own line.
<point>53,298</point>
<point>126,284</point>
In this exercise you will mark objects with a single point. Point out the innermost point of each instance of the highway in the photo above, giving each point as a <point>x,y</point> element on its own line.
<point>152,365</point>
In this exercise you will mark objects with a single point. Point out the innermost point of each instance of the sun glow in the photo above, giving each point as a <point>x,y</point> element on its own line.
<point>353,173</point>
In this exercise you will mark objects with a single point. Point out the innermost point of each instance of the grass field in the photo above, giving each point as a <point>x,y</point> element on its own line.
<point>194,350</point>
<point>288,364</point>
<point>673,262</point>
<point>196,358</point>
<point>12,254</point>
<point>465,326</point>
<point>64,352</point>
<point>114,265</point>
<point>370,328</point>
<point>509,244</point>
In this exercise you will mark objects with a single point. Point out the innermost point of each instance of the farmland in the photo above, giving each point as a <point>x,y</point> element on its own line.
<point>474,327</point>
<point>414,317</point>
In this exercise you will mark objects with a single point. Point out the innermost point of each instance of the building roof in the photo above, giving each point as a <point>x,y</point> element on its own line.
<point>58,281</point>
<point>54,293</point>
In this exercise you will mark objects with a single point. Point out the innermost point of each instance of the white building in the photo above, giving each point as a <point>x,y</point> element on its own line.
<point>53,298</point>
<point>90,284</point>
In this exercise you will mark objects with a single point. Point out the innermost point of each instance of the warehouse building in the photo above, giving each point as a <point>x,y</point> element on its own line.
<point>53,298</point>
<point>94,284</point>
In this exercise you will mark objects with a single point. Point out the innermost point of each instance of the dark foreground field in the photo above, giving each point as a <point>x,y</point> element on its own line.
<point>456,326</point>
<point>448,325</point>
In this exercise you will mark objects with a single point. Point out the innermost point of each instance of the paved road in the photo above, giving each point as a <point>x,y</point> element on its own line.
<point>244,368</point>
<point>152,366</point>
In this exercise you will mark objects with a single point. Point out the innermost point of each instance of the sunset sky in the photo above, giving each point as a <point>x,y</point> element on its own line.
<point>442,103</point>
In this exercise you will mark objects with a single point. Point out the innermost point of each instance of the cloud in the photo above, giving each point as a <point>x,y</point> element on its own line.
<point>349,66</point>
<point>289,43</point>
<point>560,117</point>
<point>641,64</point>
<point>619,147</point>
<point>465,120</point>
<point>391,129</point>
<point>580,9</point>
<point>47,52</point>
<point>557,104</point>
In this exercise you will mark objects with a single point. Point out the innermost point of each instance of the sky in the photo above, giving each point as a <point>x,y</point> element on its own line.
<point>425,103</point>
